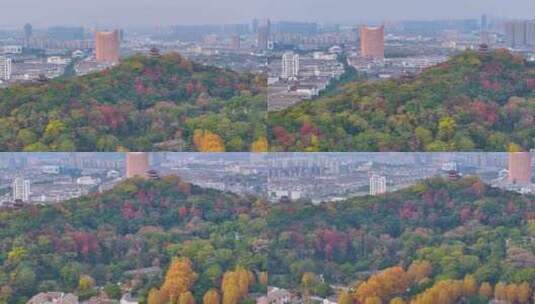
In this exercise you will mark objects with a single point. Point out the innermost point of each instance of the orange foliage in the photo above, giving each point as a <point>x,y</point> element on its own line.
<point>206,141</point>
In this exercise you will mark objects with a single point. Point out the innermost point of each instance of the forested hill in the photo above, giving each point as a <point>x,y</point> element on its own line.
<point>434,235</point>
<point>144,103</point>
<point>93,241</point>
<point>436,232</point>
<point>474,101</point>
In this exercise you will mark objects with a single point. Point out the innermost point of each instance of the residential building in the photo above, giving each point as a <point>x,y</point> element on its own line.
<point>290,65</point>
<point>5,68</point>
<point>21,189</point>
<point>377,185</point>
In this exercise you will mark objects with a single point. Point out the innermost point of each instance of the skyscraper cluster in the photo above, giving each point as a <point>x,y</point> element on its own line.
<point>520,33</point>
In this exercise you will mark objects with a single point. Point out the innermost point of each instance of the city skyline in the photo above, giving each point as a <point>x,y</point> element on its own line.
<point>168,12</point>
<point>319,177</point>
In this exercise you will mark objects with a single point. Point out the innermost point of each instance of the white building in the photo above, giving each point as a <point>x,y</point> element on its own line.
<point>377,185</point>
<point>290,65</point>
<point>21,189</point>
<point>5,68</point>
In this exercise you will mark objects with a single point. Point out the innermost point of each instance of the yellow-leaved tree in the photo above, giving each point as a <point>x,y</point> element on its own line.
<point>186,298</point>
<point>211,297</point>
<point>178,279</point>
<point>260,145</point>
<point>206,141</point>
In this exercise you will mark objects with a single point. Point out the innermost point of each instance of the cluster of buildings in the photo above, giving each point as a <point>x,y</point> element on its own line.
<point>50,54</point>
<point>46,179</point>
<point>31,179</point>
<point>520,33</point>
<point>296,77</point>
<point>323,177</point>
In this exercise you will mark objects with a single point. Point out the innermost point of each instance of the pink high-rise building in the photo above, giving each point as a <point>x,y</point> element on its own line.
<point>107,46</point>
<point>137,164</point>
<point>372,42</point>
<point>520,167</point>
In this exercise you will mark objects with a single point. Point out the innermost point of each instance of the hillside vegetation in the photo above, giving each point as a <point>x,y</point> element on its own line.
<point>143,104</point>
<point>198,235</point>
<point>475,101</point>
<point>419,245</point>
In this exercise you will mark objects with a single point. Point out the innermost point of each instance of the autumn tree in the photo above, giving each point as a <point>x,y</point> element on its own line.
<point>186,298</point>
<point>230,288</point>
<point>442,292</point>
<point>500,291</point>
<point>245,279</point>
<point>373,300</point>
<point>206,141</point>
<point>469,285</point>
<point>178,279</point>
<point>307,282</point>
<point>85,283</point>
<point>157,297</point>
<point>384,285</point>
<point>419,270</point>
<point>345,298</point>
<point>211,297</point>
<point>397,300</point>
<point>524,292</point>
<point>263,278</point>
<point>486,290</point>
<point>511,293</point>
<point>260,145</point>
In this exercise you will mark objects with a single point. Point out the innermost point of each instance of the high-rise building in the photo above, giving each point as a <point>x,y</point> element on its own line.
<point>484,22</point>
<point>263,34</point>
<point>5,68</point>
<point>372,42</point>
<point>254,26</point>
<point>520,168</point>
<point>290,65</point>
<point>515,33</point>
<point>530,33</point>
<point>377,185</point>
<point>137,164</point>
<point>107,46</point>
<point>28,32</point>
<point>21,189</point>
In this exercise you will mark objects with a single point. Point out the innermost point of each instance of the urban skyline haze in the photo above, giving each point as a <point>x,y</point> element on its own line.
<point>170,12</point>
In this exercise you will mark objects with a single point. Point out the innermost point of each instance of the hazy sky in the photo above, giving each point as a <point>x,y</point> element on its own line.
<point>166,12</point>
